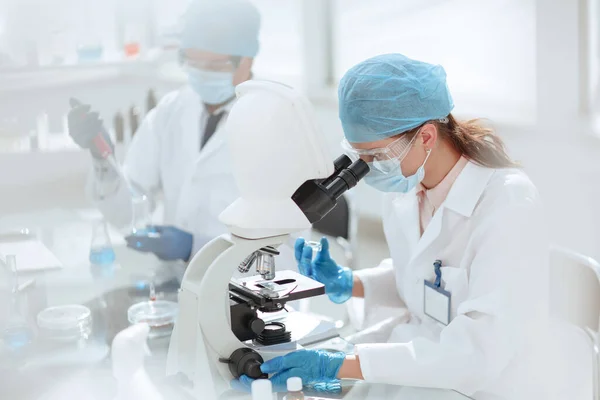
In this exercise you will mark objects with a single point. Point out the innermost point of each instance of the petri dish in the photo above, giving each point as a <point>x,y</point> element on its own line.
<point>160,315</point>
<point>65,323</point>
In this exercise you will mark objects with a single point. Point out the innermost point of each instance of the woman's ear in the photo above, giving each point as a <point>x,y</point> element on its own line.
<point>244,71</point>
<point>429,136</point>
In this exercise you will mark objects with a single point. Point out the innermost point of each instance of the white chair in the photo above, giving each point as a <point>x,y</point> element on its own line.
<point>575,297</point>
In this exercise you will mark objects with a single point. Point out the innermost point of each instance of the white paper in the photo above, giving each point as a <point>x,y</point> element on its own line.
<point>31,255</point>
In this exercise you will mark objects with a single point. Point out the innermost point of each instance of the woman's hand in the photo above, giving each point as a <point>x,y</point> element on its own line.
<point>338,280</point>
<point>319,370</point>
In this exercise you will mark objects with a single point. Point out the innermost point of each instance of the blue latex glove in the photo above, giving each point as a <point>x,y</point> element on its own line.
<point>167,242</point>
<point>338,280</point>
<point>315,367</point>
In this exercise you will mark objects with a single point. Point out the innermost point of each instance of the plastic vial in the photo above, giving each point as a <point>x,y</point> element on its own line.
<point>262,389</point>
<point>142,214</point>
<point>294,388</point>
<point>316,246</point>
<point>101,250</point>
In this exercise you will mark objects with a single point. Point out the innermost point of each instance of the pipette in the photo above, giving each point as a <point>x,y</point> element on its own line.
<point>102,146</point>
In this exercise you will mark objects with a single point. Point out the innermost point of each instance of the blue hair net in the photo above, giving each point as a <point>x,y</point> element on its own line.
<point>221,26</point>
<point>391,94</point>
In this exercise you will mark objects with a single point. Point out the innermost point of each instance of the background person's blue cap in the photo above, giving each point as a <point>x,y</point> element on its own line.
<point>391,94</point>
<point>228,27</point>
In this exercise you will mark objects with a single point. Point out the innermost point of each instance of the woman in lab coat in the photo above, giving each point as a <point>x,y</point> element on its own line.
<point>465,292</point>
<point>179,150</point>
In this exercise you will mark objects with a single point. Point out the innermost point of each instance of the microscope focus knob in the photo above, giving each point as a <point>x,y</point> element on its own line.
<point>245,361</point>
<point>257,325</point>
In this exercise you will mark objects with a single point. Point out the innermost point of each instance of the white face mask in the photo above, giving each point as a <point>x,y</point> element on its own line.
<point>395,181</point>
<point>212,87</point>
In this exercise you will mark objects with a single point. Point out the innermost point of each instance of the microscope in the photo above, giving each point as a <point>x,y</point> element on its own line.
<point>287,182</point>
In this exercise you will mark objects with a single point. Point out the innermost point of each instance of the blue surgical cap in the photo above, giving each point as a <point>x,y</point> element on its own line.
<point>391,94</point>
<point>221,26</point>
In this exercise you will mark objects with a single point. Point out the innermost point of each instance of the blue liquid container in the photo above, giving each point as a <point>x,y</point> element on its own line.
<point>17,337</point>
<point>90,53</point>
<point>102,256</point>
<point>101,250</point>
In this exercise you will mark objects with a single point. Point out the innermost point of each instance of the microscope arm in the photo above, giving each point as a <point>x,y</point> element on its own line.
<point>204,310</point>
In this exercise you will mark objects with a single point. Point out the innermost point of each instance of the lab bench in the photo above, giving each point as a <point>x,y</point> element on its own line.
<point>41,371</point>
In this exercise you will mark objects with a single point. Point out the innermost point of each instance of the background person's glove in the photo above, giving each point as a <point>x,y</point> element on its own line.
<point>338,280</point>
<point>167,242</point>
<point>85,125</point>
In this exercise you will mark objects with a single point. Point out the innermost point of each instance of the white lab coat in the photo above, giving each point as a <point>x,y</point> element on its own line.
<point>490,236</point>
<point>164,156</point>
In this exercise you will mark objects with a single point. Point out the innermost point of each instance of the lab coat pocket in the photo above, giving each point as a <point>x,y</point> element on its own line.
<point>456,282</point>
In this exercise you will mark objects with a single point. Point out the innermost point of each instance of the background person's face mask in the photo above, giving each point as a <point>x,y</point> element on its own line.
<point>395,181</point>
<point>213,87</point>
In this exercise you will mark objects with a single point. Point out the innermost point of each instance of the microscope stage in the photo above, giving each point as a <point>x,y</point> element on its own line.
<point>289,282</point>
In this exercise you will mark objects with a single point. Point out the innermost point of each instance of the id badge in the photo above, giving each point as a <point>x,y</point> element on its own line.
<point>437,303</point>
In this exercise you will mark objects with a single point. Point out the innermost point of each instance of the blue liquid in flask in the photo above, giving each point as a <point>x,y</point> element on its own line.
<point>102,256</point>
<point>101,250</point>
<point>17,337</point>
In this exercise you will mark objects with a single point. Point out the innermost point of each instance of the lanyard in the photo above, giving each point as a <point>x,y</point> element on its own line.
<point>437,265</point>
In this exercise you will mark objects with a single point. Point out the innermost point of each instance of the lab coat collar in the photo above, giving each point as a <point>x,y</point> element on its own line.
<point>462,198</point>
<point>468,188</point>
<point>224,108</point>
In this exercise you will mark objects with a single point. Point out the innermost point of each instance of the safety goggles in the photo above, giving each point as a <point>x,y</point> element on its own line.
<point>383,159</point>
<point>223,65</point>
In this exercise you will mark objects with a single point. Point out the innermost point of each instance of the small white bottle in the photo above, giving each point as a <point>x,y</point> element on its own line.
<point>294,388</point>
<point>262,389</point>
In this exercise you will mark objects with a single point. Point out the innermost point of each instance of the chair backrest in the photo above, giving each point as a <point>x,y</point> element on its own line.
<point>574,288</point>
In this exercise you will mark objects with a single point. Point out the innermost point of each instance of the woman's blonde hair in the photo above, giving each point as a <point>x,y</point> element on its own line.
<point>475,142</point>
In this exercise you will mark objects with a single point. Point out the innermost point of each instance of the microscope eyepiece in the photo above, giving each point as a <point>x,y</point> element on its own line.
<point>348,178</point>
<point>317,197</point>
<point>339,164</point>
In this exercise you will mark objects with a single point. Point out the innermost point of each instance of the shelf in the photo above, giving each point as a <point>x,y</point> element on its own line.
<point>24,79</point>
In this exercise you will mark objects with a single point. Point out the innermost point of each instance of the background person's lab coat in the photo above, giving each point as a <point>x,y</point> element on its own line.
<point>165,155</point>
<point>490,236</point>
